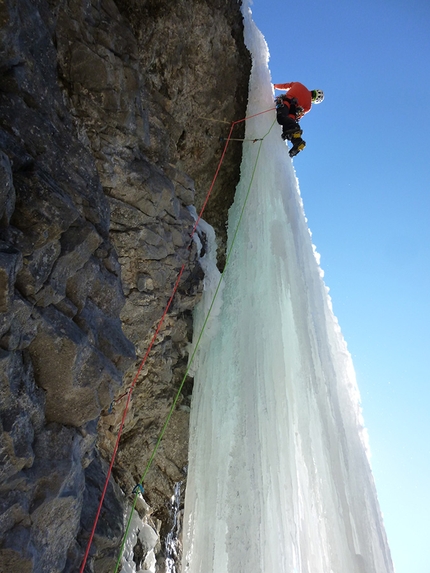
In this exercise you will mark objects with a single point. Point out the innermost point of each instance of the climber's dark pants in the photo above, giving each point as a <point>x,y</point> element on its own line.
<point>283,118</point>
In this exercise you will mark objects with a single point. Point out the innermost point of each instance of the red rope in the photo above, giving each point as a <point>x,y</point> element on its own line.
<point>133,384</point>
<point>90,540</point>
<point>214,179</point>
<point>220,163</point>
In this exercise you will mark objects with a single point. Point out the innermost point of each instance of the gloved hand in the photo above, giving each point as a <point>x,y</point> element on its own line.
<point>279,102</point>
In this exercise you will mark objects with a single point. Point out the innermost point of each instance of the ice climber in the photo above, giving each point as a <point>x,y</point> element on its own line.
<point>291,107</point>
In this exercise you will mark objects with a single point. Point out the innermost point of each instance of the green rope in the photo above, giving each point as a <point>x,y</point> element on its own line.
<point>172,408</point>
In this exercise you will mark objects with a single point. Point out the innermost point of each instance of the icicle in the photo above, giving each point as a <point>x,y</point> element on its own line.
<point>139,553</point>
<point>173,544</point>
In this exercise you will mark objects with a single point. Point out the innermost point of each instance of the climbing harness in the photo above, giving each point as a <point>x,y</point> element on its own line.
<point>138,489</point>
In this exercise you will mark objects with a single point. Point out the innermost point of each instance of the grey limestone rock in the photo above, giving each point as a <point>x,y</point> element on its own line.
<point>7,190</point>
<point>111,114</point>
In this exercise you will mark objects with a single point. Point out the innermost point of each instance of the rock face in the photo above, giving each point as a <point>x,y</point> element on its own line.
<point>111,116</point>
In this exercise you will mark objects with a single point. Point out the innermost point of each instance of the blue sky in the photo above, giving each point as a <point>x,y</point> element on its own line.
<point>365,181</point>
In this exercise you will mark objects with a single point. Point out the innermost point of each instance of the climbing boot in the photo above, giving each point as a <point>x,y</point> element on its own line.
<point>298,146</point>
<point>291,134</point>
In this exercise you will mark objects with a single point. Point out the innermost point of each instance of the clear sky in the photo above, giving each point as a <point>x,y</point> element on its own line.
<point>365,181</point>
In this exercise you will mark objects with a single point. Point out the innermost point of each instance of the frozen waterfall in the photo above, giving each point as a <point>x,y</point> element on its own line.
<point>279,478</point>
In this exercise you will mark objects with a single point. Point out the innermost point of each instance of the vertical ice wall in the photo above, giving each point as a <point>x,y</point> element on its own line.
<point>279,479</point>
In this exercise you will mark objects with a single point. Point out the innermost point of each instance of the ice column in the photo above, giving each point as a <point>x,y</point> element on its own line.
<point>279,478</point>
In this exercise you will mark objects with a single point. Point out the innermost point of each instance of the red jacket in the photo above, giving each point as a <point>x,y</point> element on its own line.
<point>300,92</point>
